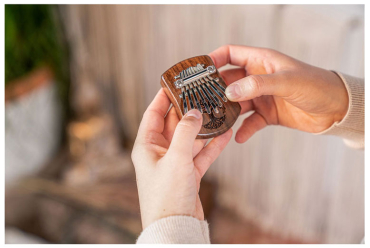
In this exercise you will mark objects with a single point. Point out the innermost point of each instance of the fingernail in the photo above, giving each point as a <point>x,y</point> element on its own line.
<point>194,113</point>
<point>233,92</point>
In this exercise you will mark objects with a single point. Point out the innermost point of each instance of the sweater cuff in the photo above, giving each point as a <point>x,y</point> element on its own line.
<point>351,128</point>
<point>176,230</point>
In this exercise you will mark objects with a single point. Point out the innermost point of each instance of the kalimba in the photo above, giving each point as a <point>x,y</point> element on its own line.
<point>196,83</point>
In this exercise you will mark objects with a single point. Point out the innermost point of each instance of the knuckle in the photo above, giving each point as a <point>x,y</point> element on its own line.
<point>267,52</point>
<point>218,148</point>
<point>256,84</point>
<point>208,159</point>
<point>147,112</point>
<point>227,46</point>
<point>186,124</point>
<point>150,138</point>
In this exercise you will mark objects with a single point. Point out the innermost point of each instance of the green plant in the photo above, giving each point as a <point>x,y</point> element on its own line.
<point>34,38</point>
<point>30,39</point>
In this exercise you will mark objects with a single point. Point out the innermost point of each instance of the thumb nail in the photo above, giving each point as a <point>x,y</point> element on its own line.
<point>194,113</point>
<point>233,92</point>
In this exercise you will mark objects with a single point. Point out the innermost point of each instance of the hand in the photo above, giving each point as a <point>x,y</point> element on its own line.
<point>169,161</point>
<point>281,90</point>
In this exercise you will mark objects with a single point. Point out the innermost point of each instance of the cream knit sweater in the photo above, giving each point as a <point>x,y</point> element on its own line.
<point>189,230</point>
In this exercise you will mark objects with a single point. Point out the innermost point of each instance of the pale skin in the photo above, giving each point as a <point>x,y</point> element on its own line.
<point>170,162</point>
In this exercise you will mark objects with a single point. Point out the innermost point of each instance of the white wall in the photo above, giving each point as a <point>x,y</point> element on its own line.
<point>33,131</point>
<point>293,182</point>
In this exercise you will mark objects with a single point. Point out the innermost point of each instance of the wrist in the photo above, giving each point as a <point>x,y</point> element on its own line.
<point>351,127</point>
<point>342,98</point>
<point>176,230</point>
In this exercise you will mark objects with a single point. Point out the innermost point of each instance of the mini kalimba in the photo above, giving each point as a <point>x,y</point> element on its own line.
<point>196,83</point>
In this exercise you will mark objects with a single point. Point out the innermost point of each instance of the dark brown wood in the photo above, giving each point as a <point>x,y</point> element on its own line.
<point>231,110</point>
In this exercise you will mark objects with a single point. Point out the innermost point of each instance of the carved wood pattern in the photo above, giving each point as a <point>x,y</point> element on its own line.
<point>212,126</point>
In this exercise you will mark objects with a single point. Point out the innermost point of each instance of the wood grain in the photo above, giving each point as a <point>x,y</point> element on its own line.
<point>232,109</point>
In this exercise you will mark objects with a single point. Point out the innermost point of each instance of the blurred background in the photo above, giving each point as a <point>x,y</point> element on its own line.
<point>78,79</point>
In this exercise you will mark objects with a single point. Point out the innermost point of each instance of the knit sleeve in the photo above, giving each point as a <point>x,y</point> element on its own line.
<point>351,128</point>
<point>176,230</point>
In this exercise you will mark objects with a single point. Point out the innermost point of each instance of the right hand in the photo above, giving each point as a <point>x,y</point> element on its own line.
<point>281,90</point>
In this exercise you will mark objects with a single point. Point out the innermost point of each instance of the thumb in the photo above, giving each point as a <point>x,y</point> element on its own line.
<point>185,133</point>
<point>258,85</point>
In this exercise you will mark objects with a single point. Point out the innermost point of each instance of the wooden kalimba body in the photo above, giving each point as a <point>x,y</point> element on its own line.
<point>195,83</point>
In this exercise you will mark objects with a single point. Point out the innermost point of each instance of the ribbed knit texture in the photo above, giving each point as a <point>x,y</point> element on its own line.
<point>189,230</point>
<point>176,230</point>
<point>352,127</point>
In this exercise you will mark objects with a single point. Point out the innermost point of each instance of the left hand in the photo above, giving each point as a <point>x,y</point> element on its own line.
<point>170,162</point>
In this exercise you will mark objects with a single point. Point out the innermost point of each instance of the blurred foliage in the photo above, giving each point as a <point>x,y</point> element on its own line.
<point>34,38</point>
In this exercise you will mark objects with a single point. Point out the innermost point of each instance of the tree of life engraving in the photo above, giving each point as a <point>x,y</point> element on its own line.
<point>215,122</point>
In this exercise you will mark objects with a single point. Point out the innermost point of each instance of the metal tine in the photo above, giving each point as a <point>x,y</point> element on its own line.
<point>188,93</point>
<point>195,98</point>
<point>215,81</point>
<point>210,99</point>
<point>185,104</point>
<point>222,95</point>
<point>192,70</point>
<point>196,87</point>
<point>219,103</point>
